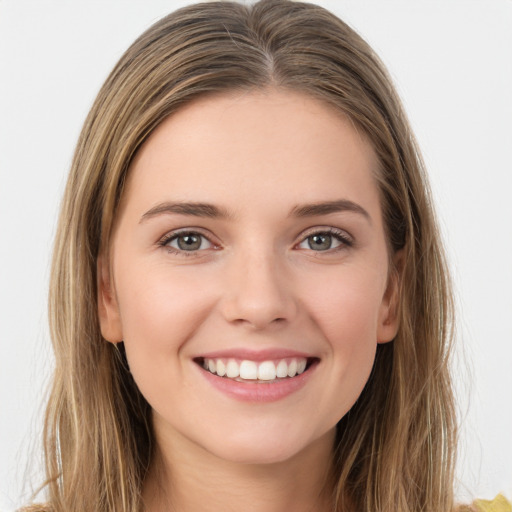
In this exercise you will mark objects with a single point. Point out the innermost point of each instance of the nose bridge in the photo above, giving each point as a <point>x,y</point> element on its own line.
<point>258,292</point>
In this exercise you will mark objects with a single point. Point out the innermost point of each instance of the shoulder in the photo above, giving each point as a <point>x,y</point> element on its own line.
<point>498,504</point>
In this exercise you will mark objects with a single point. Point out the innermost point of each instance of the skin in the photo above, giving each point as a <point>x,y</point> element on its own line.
<point>255,282</point>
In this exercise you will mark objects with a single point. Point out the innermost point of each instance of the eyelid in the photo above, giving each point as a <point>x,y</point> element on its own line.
<point>172,235</point>
<point>346,240</point>
<point>341,235</point>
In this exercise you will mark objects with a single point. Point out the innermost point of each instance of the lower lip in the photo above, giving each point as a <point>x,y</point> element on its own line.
<point>252,391</point>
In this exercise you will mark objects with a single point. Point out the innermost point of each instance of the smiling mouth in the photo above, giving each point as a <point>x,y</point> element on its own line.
<point>255,372</point>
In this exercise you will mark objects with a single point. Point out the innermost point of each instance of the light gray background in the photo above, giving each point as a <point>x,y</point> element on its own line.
<point>452,62</point>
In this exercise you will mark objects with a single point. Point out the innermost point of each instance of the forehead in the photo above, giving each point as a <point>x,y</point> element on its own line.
<point>282,145</point>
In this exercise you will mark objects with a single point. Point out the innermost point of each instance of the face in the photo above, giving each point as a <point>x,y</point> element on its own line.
<point>248,274</point>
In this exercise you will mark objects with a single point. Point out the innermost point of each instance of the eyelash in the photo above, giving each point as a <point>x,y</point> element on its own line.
<point>169,237</point>
<point>346,241</point>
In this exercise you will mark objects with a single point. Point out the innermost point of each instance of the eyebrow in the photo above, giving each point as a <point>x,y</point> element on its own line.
<point>324,208</point>
<point>214,212</point>
<point>186,208</point>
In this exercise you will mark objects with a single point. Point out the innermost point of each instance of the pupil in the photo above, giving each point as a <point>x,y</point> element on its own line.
<point>320,242</point>
<point>189,242</point>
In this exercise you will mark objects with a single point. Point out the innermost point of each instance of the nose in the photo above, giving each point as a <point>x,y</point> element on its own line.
<point>258,293</point>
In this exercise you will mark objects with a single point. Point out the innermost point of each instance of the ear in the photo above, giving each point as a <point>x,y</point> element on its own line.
<point>108,309</point>
<point>389,309</point>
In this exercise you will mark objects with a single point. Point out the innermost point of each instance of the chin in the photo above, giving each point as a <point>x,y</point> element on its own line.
<point>255,455</point>
<point>266,447</point>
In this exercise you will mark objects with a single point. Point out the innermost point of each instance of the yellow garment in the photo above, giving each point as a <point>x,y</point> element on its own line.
<point>498,504</point>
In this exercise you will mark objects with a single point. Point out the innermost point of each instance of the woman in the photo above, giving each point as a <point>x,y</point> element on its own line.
<point>228,147</point>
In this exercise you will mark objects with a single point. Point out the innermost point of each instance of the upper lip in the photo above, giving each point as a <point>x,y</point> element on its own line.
<point>255,355</point>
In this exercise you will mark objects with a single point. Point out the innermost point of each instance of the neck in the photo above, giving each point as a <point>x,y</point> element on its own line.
<point>185,478</point>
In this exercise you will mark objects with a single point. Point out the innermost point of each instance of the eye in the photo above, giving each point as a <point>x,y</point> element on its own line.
<point>329,239</point>
<point>187,241</point>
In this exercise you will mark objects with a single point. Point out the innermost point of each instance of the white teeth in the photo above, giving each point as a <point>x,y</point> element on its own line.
<point>248,370</point>
<point>292,368</point>
<point>221,368</point>
<point>282,369</point>
<point>232,369</point>
<point>251,370</point>
<point>267,371</point>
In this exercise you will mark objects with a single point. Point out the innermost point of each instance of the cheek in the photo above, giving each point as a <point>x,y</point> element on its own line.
<point>159,313</point>
<point>347,314</point>
<point>347,307</point>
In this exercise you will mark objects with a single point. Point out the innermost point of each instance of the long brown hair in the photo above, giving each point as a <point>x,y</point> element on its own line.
<point>395,447</point>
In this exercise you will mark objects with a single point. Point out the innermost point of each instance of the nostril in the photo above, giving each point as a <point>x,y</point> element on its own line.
<point>258,301</point>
